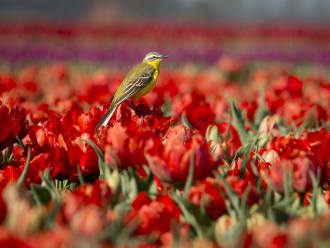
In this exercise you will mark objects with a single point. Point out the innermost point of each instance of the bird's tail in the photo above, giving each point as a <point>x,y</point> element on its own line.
<point>106,118</point>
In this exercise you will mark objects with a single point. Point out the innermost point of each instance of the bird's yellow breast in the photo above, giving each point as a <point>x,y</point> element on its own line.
<point>148,88</point>
<point>152,83</point>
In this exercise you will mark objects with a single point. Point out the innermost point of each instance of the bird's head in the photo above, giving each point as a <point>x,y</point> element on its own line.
<point>154,59</point>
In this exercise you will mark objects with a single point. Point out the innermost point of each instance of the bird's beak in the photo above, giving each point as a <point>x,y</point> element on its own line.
<point>164,56</point>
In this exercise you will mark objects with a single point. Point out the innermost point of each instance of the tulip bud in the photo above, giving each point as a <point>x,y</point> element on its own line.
<point>212,134</point>
<point>255,221</point>
<point>268,128</point>
<point>223,225</point>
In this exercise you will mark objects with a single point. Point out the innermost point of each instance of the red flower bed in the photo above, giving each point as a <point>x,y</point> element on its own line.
<point>228,154</point>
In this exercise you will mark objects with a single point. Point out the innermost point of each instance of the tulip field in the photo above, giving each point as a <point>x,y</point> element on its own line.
<point>232,148</point>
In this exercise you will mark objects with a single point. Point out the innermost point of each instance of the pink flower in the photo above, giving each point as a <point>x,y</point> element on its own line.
<point>301,167</point>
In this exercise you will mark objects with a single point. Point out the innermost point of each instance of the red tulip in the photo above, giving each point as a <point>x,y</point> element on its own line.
<point>214,202</point>
<point>198,111</point>
<point>126,145</point>
<point>12,124</point>
<point>85,198</point>
<point>171,162</point>
<point>9,174</point>
<point>250,108</point>
<point>153,216</point>
<point>7,83</point>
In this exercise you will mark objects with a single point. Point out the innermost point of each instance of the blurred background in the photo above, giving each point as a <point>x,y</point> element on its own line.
<point>120,32</point>
<point>316,11</point>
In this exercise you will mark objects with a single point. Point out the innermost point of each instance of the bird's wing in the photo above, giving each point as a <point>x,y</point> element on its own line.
<point>136,80</point>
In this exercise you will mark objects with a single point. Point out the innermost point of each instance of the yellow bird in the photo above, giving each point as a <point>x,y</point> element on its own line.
<point>139,81</point>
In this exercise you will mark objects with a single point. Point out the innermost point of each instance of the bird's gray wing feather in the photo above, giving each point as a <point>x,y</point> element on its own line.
<point>136,84</point>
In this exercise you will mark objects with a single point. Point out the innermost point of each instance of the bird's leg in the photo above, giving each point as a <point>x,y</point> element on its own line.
<point>132,102</point>
<point>136,110</point>
<point>131,105</point>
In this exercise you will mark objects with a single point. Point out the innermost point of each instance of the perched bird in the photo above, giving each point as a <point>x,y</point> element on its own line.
<point>140,80</point>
